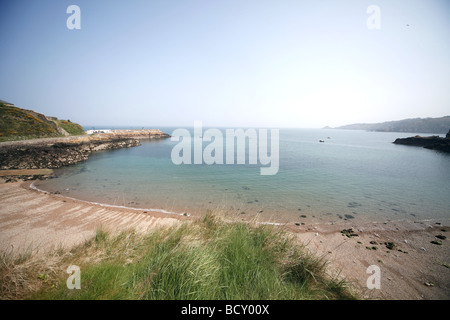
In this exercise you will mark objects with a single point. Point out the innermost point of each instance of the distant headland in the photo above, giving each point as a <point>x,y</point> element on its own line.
<point>418,125</point>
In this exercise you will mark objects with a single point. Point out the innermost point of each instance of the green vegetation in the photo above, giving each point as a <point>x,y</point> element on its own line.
<point>21,124</point>
<point>204,259</point>
<point>71,128</point>
<point>418,125</point>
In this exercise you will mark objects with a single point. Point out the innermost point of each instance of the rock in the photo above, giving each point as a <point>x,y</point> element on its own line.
<point>42,155</point>
<point>432,142</point>
<point>353,204</point>
<point>390,245</point>
<point>349,233</point>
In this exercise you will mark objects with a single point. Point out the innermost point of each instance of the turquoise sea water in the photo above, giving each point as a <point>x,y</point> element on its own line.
<point>351,175</point>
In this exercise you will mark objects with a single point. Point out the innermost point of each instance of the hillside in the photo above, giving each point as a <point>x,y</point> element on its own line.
<point>416,125</point>
<point>18,124</point>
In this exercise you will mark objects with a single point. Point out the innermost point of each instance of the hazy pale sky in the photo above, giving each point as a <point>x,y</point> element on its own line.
<point>226,63</point>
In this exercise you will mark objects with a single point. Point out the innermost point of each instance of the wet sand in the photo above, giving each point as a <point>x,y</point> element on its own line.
<point>36,221</point>
<point>32,220</point>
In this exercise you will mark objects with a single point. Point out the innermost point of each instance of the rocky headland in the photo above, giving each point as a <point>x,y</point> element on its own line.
<point>431,142</point>
<point>50,153</point>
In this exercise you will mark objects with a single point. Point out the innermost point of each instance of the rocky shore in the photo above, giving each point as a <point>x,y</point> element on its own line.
<point>432,142</point>
<point>52,153</point>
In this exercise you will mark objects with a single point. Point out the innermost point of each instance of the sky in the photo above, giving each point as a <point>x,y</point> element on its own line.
<point>227,63</point>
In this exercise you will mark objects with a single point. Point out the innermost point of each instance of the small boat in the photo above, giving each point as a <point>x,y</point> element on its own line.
<point>321,140</point>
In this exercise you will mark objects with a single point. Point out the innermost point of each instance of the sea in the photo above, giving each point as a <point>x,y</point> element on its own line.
<point>324,175</point>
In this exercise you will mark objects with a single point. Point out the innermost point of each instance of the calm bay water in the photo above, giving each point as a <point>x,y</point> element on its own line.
<point>352,175</point>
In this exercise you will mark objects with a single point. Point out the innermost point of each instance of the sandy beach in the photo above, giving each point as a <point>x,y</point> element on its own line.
<point>414,269</point>
<point>36,221</point>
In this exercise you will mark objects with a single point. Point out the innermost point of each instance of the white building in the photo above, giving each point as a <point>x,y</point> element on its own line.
<point>99,131</point>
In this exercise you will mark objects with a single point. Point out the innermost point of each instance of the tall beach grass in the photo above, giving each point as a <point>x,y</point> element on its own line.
<point>203,259</point>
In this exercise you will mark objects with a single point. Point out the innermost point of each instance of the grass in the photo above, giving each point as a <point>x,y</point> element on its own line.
<point>22,124</point>
<point>205,259</point>
<point>17,122</point>
<point>73,129</point>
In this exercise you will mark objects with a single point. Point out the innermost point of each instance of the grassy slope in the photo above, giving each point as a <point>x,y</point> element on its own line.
<point>19,124</point>
<point>207,259</point>
<point>72,128</point>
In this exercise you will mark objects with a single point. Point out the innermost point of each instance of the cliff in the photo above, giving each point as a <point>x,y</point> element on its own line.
<point>432,142</point>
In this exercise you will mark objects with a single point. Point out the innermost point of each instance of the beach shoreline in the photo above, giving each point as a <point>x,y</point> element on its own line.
<point>31,220</point>
<point>39,221</point>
